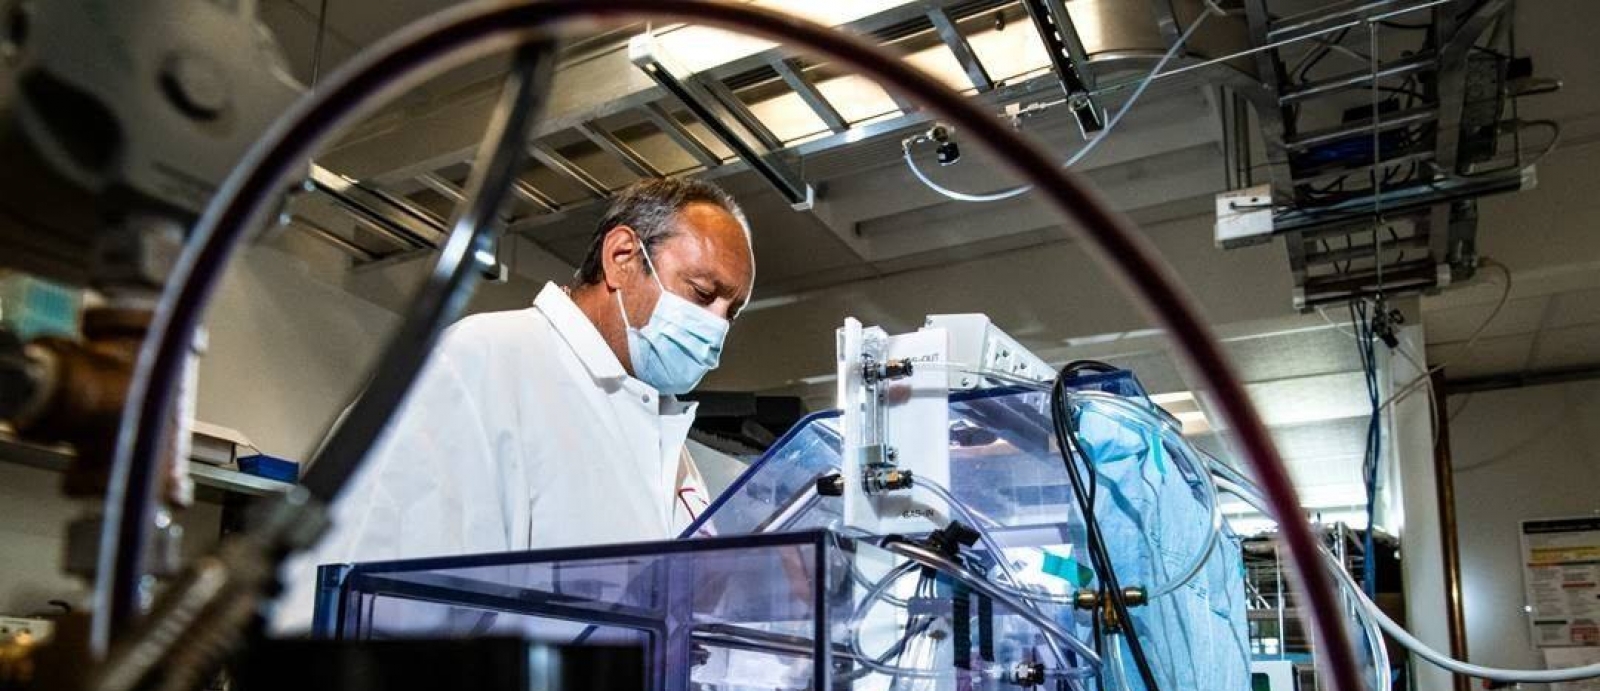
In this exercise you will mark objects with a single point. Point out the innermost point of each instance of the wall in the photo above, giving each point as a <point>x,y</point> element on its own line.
<point>287,350</point>
<point>1518,454</point>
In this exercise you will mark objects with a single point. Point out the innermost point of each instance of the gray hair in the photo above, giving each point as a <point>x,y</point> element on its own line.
<point>648,207</point>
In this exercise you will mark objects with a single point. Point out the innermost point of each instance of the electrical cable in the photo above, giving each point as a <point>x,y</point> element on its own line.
<point>205,612</point>
<point>1082,151</point>
<point>1061,416</point>
<point>1362,321</point>
<point>1472,339</point>
<point>1550,146</point>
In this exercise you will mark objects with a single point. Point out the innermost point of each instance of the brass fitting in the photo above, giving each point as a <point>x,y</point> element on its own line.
<point>886,479</point>
<point>1090,600</point>
<point>17,661</point>
<point>83,401</point>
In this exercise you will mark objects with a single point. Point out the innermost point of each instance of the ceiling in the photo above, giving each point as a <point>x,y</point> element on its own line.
<point>888,251</point>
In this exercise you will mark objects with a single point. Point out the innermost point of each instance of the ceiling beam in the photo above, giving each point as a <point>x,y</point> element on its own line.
<point>680,135</point>
<point>726,117</point>
<point>802,86</point>
<point>609,143</point>
<point>601,85</point>
<point>562,166</point>
<point>953,39</point>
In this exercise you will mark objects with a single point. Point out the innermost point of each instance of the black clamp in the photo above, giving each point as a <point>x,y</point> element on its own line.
<point>831,485</point>
<point>951,539</point>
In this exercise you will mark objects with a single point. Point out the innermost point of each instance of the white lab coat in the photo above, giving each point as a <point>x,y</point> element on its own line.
<point>523,432</point>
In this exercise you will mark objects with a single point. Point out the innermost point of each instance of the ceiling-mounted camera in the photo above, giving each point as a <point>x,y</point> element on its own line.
<point>948,151</point>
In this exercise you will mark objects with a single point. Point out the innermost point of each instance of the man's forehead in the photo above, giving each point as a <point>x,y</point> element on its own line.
<point>720,238</point>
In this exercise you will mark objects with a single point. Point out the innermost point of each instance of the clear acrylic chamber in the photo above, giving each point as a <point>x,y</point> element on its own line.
<point>771,591</point>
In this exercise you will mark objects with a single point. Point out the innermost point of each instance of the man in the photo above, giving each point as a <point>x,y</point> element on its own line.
<point>556,425</point>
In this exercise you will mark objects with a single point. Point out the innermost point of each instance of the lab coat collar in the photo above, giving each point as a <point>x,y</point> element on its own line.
<point>580,334</point>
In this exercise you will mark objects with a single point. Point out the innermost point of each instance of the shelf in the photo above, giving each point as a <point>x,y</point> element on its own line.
<point>57,458</point>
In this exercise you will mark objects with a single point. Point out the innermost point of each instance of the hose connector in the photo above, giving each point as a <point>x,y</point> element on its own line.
<point>1024,674</point>
<point>886,478</point>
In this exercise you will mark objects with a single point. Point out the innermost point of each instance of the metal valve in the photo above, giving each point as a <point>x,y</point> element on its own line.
<point>873,371</point>
<point>886,478</point>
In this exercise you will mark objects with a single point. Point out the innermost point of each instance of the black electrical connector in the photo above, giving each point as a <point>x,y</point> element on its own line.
<point>1386,324</point>
<point>830,485</point>
<point>951,539</point>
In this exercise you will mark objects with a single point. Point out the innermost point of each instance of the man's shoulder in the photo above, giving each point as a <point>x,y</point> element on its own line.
<point>498,330</point>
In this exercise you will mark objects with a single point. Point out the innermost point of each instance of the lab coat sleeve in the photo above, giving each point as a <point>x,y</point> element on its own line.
<point>429,488</point>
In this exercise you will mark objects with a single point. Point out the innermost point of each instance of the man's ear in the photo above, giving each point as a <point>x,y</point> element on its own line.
<point>619,255</point>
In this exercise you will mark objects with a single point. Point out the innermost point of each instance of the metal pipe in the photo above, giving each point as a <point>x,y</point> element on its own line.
<point>1415,116</point>
<point>1397,68</point>
<point>1449,536</point>
<point>332,238</point>
<point>243,202</point>
<point>1295,26</point>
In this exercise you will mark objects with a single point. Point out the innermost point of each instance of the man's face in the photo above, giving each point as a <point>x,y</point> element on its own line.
<point>705,260</point>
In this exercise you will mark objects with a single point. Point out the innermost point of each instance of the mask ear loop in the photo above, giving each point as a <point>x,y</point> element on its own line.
<point>643,252</point>
<point>624,311</point>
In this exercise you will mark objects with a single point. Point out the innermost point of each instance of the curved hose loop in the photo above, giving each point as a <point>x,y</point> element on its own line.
<point>455,36</point>
<point>298,516</point>
<point>242,205</point>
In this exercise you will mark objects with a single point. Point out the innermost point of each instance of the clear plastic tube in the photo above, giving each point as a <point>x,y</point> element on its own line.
<point>1139,415</point>
<point>1116,669</point>
<point>982,524</point>
<point>997,375</point>
<point>879,592</point>
<point>1412,643</point>
<point>876,594</point>
<point>1369,625</point>
<point>1135,414</point>
<point>1048,626</point>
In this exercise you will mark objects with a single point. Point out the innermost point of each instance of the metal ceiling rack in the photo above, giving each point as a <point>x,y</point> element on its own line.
<point>1402,231</point>
<point>628,112</point>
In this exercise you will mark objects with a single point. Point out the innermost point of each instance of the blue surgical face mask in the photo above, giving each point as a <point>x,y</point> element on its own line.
<point>678,345</point>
